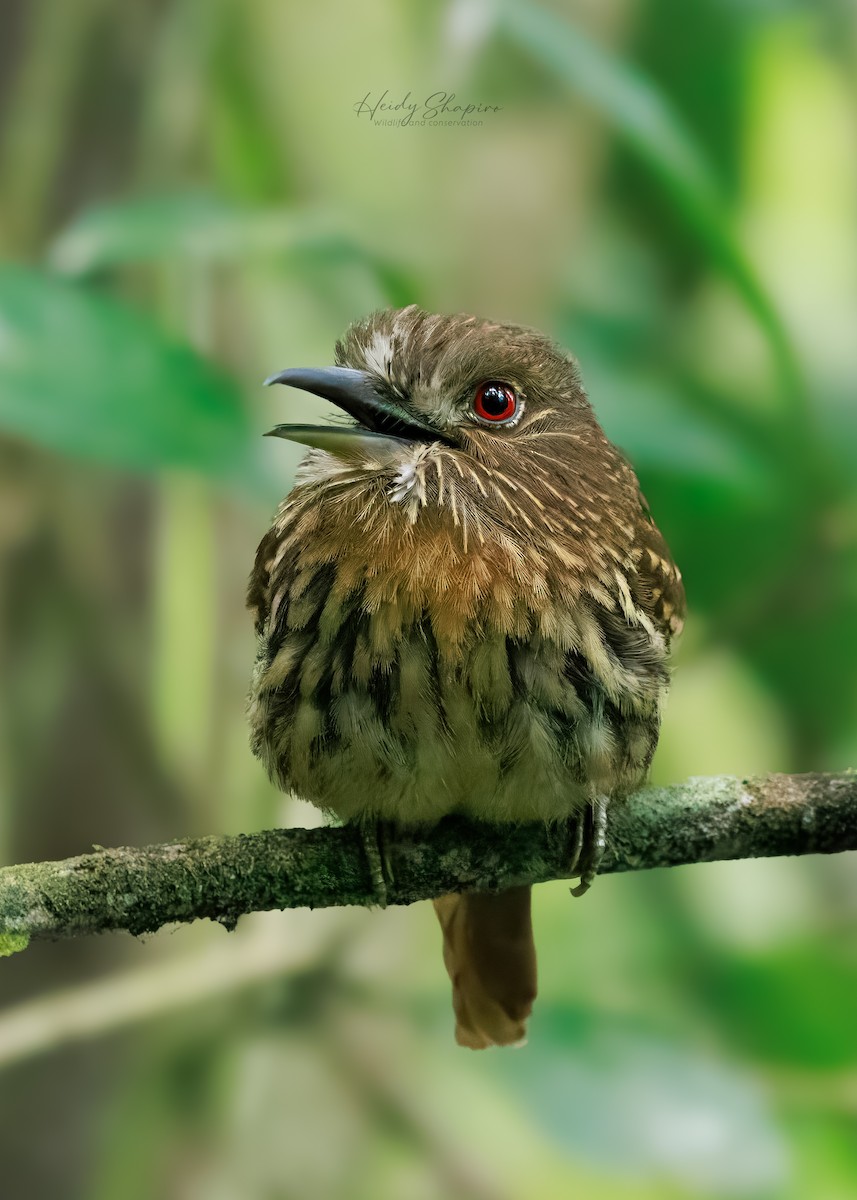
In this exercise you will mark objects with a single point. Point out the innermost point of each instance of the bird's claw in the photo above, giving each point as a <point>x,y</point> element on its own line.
<point>589,841</point>
<point>374,834</point>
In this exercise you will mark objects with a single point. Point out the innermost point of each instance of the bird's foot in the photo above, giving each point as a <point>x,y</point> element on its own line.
<point>588,843</point>
<point>376,835</point>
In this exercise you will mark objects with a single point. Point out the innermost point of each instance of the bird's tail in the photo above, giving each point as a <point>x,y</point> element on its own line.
<point>490,955</point>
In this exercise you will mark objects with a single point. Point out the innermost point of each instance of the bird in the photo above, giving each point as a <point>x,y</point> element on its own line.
<point>463,606</point>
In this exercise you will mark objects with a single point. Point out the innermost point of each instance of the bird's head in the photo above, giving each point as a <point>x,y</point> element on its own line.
<point>457,415</point>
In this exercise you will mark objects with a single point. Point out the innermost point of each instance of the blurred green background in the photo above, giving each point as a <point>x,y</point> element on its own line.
<point>188,201</point>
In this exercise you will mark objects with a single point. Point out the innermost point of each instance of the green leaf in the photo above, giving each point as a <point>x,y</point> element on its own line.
<point>792,1005</point>
<point>83,375</point>
<point>643,118</point>
<point>644,416</point>
<point>11,943</point>
<point>207,228</point>
<point>633,1103</point>
<point>189,224</point>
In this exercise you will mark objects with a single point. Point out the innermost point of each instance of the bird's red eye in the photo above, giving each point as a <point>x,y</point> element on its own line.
<point>495,401</point>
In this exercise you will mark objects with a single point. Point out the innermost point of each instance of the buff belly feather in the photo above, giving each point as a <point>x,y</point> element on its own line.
<point>362,714</point>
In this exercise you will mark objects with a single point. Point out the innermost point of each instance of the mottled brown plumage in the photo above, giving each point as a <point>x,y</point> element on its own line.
<point>460,611</point>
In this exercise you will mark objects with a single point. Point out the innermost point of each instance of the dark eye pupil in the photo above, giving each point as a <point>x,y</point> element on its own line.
<point>495,400</point>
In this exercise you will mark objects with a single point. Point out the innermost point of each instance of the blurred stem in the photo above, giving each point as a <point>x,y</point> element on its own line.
<point>141,994</point>
<point>40,110</point>
<point>185,602</point>
<point>6,806</point>
<point>223,878</point>
<point>642,117</point>
<point>184,631</point>
<point>380,1079</point>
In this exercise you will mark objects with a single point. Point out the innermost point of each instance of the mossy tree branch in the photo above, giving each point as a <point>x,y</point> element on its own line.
<point>221,878</point>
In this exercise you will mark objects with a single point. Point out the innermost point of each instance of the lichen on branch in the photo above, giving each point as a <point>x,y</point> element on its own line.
<point>222,878</point>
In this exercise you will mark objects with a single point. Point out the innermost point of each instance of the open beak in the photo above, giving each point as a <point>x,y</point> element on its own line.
<point>378,419</point>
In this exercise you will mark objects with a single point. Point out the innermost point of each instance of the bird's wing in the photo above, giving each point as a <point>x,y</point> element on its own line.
<point>258,590</point>
<point>656,585</point>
